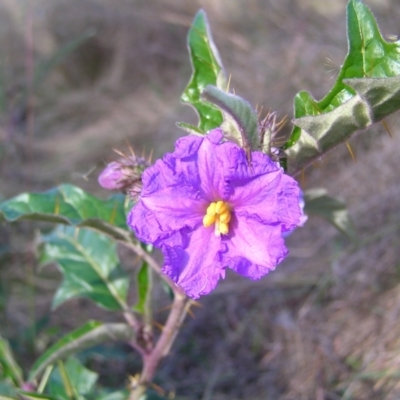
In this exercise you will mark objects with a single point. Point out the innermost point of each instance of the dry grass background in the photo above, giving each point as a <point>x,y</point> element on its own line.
<point>325,325</point>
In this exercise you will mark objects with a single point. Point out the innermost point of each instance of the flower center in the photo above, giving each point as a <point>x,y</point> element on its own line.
<point>219,213</point>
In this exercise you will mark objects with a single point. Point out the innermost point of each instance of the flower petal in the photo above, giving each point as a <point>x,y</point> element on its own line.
<point>261,189</point>
<point>195,267</point>
<point>253,248</point>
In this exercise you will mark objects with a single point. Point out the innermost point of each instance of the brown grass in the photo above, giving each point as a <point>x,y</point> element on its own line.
<point>325,324</point>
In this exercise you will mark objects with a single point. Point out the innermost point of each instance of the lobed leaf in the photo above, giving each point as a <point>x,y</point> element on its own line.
<point>88,335</point>
<point>70,205</point>
<point>89,263</point>
<point>207,70</point>
<point>369,73</point>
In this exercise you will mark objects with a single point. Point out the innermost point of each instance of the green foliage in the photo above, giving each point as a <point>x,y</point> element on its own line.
<point>331,209</point>
<point>71,380</point>
<point>89,262</point>
<point>143,288</point>
<point>207,70</point>
<point>240,119</point>
<point>70,205</point>
<point>88,335</point>
<point>356,101</point>
<point>9,369</point>
<point>33,396</point>
<point>120,395</point>
<point>7,390</point>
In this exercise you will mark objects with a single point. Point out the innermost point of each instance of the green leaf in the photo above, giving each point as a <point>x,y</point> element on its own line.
<point>240,119</point>
<point>8,366</point>
<point>70,205</point>
<point>207,70</point>
<point>89,262</point>
<point>88,335</point>
<point>7,390</point>
<point>366,91</point>
<point>120,395</point>
<point>333,210</point>
<point>33,396</point>
<point>191,129</point>
<point>143,290</point>
<point>71,380</point>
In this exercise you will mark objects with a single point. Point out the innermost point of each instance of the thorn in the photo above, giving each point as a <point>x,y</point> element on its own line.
<point>302,178</point>
<point>130,149</point>
<point>158,389</point>
<point>163,309</point>
<point>386,126</point>
<point>229,83</point>
<point>120,153</point>
<point>351,151</point>
<point>316,164</point>
<point>150,156</point>
<point>158,325</point>
<point>196,303</point>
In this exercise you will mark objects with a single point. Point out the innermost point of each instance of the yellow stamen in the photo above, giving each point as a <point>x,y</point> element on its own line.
<point>220,207</point>
<point>223,228</point>
<point>225,217</point>
<point>219,213</point>
<point>211,209</point>
<point>208,220</point>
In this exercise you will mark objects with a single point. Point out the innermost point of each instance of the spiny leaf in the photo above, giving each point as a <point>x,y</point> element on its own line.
<point>352,99</point>
<point>88,335</point>
<point>240,119</point>
<point>207,70</point>
<point>89,262</point>
<point>70,205</point>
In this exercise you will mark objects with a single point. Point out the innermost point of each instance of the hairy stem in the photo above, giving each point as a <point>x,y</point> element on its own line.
<point>152,359</point>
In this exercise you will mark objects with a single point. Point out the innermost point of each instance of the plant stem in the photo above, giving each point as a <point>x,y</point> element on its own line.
<point>151,360</point>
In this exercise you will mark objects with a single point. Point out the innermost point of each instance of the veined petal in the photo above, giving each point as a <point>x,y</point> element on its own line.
<point>196,267</point>
<point>209,167</point>
<point>253,248</point>
<point>162,214</point>
<point>262,190</point>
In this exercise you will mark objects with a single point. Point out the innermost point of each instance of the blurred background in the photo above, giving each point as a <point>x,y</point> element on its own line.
<point>79,78</point>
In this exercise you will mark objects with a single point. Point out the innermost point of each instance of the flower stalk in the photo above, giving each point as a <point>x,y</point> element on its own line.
<point>152,359</point>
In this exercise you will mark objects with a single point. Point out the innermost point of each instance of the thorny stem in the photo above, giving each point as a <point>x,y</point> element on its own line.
<point>151,360</point>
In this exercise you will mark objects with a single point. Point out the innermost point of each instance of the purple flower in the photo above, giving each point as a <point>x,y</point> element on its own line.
<point>207,209</point>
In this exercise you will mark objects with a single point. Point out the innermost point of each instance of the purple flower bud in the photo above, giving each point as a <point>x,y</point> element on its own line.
<point>28,387</point>
<point>124,175</point>
<point>112,177</point>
